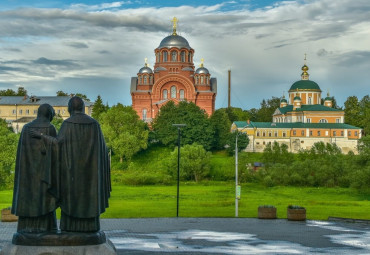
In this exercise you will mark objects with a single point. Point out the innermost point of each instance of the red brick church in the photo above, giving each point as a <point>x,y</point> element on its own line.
<point>174,79</point>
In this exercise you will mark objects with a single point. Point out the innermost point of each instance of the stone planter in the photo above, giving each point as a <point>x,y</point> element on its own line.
<point>7,216</point>
<point>266,212</point>
<point>296,214</point>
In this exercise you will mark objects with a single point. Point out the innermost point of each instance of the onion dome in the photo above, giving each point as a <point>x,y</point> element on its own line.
<point>146,68</point>
<point>174,40</point>
<point>283,100</point>
<point>297,98</point>
<point>305,83</point>
<point>202,69</point>
<point>328,98</point>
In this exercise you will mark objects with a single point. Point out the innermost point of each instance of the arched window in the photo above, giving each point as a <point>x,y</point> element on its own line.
<point>182,94</point>
<point>145,79</point>
<point>140,80</point>
<point>173,92</point>
<point>201,79</point>
<point>174,56</point>
<point>182,56</point>
<point>323,121</point>
<point>258,133</point>
<point>157,57</point>
<point>207,80</point>
<point>151,79</point>
<point>309,100</point>
<point>165,56</point>
<point>196,79</point>
<point>165,94</point>
<point>144,114</point>
<point>189,57</point>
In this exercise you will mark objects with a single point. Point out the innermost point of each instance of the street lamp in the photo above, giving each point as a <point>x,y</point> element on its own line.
<point>179,126</point>
<point>237,187</point>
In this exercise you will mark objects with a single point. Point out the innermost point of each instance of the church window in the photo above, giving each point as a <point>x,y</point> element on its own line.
<point>157,57</point>
<point>270,134</point>
<point>140,80</point>
<point>34,111</point>
<point>144,114</point>
<point>318,133</point>
<point>349,133</point>
<point>21,112</point>
<point>189,57</point>
<point>334,133</point>
<point>323,121</point>
<point>337,120</point>
<point>145,79</point>
<point>284,134</point>
<point>264,134</point>
<point>14,111</point>
<point>309,100</point>
<point>165,56</point>
<point>276,133</point>
<point>173,92</point>
<point>165,94</point>
<point>201,79</point>
<point>294,132</point>
<point>196,79</point>
<point>182,56</point>
<point>258,133</point>
<point>182,94</point>
<point>308,120</point>
<point>174,56</point>
<point>151,79</point>
<point>355,133</point>
<point>302,132</point>
<point>207,80</point>
<point>27,112</point>
<point>342,133</point>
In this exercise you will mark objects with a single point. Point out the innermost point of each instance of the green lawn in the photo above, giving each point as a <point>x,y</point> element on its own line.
<point>216,199</point>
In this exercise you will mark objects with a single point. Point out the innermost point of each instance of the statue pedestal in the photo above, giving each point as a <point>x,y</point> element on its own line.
<point>59,243</point>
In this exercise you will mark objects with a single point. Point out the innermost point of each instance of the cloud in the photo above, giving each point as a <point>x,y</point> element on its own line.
<point>263,47</point>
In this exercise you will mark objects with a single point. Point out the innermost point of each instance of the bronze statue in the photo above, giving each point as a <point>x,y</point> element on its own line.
<point>36,176</point>
<point>84,171</point>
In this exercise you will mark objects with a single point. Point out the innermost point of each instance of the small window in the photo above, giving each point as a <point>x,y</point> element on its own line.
<point>308,120</point>
<point>342,133</point>
<point>34,111</point>
<point>144,114</point>
<point>58,111</point>
<point>27,112</point>
<point>165,94</point>
<point>151,79</point>
<point>270,134</point>
<point>284,134</point>
<point>323,121</point>
<point>318,133</point>
<point>173,92</point>
<point>264,134</point>
<point>202,80</point>
<point>349,133</point>
<point>182,94</point>
<point>334,133</point>
<point>309,100</point>
<point>14,111</point>
<point>157,57</point>
<point>356,133</point>
<point>21,112</point>
<point>165,56</point>
<point>207,80</point>
<point>294,132</point>
<point>145,79</point>
<point>311,133</point>
<point>140,80</point>
<point>174,56</point>
<point>302,132</point>
<point>189,57</point>
<point>257,143</point>
<point>64,111</point>
<point>276,134</point>
<point>263,143</point>
<point>258,133</point>
<point>337,120</point>
<point>182,56</point>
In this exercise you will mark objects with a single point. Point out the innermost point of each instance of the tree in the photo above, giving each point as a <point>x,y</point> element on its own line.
<point>352,111</point>
<point>194,163</point>
<point>57,121</point>
<point>236,114</point>
<point>221,128</point>
<point>243,142</point>
<point>8,144</point>
<point>9,92</point>
<point>198,126</point>
<point>62,93</point>
<point>264,114</point>
<point>124,132</point>
<point>98,108</point>
<point>365,114</point>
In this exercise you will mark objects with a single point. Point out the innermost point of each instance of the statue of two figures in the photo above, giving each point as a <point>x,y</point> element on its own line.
<point>69,170</point>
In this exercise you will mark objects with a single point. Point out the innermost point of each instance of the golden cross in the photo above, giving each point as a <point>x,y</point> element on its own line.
<point>174,21</point>
<point>201,62</point>
<point>305,58</point>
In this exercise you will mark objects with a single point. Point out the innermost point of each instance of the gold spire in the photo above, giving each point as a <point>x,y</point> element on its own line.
<point>201,62</point>
<point>146,61</point>
<point>305,68</point>
<point>174,26</point>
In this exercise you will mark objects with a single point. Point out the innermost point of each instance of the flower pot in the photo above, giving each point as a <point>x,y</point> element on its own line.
<point>296,214</point>
<point>7,216</point>
<point>266,212</point>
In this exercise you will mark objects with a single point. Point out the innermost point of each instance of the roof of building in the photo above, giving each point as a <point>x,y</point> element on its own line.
<point>306,108</point>
<point>145,69</point>
<point>38,100</point>
<point>174,41</point>
<point>244,124</point>
<point>304,85</point>
<point>202,70</point>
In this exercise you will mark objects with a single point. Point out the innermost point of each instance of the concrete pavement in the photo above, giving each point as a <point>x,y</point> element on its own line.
<point>228,236</point>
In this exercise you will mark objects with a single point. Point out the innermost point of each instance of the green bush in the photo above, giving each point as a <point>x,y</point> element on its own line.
<point>140,178</point>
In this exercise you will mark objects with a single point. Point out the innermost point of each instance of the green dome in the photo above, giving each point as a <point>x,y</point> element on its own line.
<point>304,85</point>
<point>297,98</point>
<point>328,99</point>
<point>283,101</point>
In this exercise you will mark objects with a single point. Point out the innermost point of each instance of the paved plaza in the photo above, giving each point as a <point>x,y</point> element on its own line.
<point>228,236</point>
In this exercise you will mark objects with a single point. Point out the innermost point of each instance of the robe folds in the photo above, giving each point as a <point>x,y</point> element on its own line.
<point>36,177</point>
<point>85,183</point>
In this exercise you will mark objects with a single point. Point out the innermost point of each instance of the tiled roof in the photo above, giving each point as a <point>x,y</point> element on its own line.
<point>308,107</point>
<point>243,124</point>
<point>52,100</point>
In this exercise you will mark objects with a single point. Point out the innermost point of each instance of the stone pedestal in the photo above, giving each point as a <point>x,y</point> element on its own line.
<point>59,243</point>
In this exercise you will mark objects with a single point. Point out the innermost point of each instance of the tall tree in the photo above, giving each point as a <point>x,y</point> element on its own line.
<point>61,93</point>
<point>21,91</point>
<point>9,92</point>
<point>98,108</point>
<point>124,132</point>
<point>365,114</point>
<point>198,126</point>
<point>352,111</point>
<point>243,142</point>
<point>221,128</point>
<point>268,107</point>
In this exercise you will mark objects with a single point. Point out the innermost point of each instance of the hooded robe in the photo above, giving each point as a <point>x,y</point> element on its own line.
<point>36,176</point>
<point>84,166</point>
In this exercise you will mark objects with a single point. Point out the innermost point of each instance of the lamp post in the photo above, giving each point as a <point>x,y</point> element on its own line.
<point>179,126</point>
<point>237,187</point>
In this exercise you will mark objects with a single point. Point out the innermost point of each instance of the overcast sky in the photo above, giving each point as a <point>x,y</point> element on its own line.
<point>95,47</point>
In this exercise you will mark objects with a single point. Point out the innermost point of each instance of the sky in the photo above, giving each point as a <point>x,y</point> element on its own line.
<point>95,47</point>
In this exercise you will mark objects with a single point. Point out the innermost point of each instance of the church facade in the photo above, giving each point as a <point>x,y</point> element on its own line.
<point>302,121</point>
<point>173,78</point>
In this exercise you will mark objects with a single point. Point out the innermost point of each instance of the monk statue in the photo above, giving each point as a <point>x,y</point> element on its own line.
<point>36,176</point>
<point>84,171</point>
